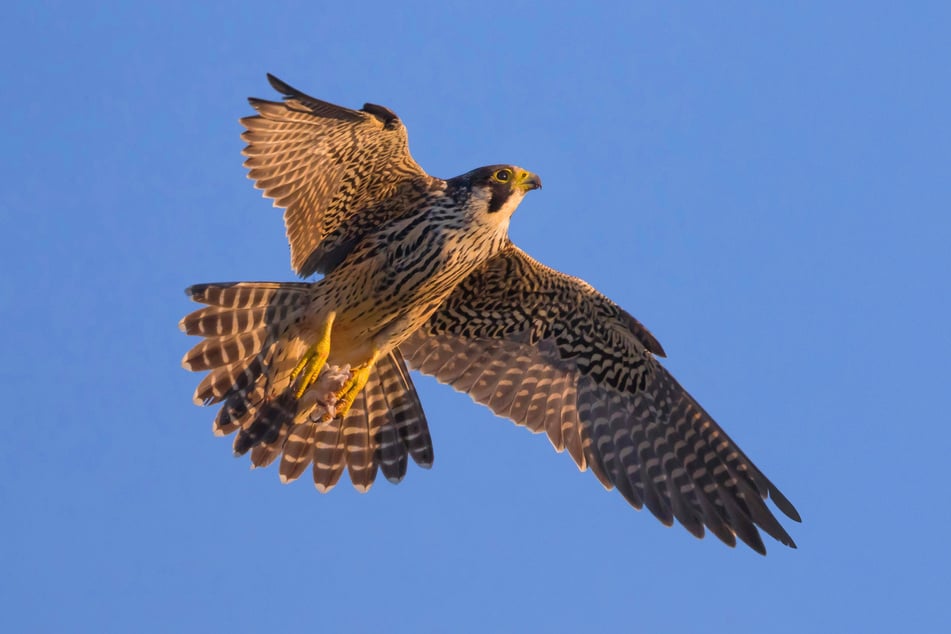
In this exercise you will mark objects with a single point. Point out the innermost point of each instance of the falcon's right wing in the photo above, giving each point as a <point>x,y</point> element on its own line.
<point>331,168</point>
<point>551,353</point>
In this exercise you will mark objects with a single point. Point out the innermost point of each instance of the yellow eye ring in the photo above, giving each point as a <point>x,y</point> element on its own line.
<point>503,176</point>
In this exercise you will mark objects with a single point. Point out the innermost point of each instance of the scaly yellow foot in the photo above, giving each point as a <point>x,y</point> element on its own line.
<point>313,361</point>
<point>349,391</point>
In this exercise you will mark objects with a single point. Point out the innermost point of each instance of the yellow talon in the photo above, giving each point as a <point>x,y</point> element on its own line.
<point>349,391</point>
<point>313,361</point>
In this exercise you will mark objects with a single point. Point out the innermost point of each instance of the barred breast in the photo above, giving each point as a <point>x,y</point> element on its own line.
<point>394,281</point>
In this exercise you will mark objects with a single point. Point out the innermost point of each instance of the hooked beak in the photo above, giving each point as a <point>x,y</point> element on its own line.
<point>528,181</point>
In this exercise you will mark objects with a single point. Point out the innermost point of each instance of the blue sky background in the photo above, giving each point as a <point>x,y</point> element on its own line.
<point>766,188</point>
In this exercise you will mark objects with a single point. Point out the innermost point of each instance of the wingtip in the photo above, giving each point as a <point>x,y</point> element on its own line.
<point>784,505</point>
<point>280,86</point>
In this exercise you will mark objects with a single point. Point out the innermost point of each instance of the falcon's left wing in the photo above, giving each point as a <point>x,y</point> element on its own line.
<point>332,169</point>
<point>551,353</point>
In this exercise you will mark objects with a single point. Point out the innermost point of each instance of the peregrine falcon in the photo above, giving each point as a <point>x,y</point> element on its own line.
<point>419,271</point>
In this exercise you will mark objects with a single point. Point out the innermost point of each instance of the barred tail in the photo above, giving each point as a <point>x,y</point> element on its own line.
<point>240,323</point>
<point>249,353</point>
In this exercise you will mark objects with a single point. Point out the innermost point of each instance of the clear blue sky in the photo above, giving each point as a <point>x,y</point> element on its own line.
<point>766,188</point>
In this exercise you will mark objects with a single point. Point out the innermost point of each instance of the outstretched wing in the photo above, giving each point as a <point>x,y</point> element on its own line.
<point>331,168</point>
<point>548,351</point>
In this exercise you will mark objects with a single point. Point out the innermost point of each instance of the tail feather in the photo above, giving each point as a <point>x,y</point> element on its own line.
<point>360,445</point>
<point>222,382</point>
<point>267,424</point>
<point>249,358</point>
<point>391,452</point>
<point>329,459</point>
<point>237,295</point>
<point>298,451</point>
<point>265,453</point>
<point>393,456</point>
<point>220,321</point>
<point>215,352</point>
<point>240,409</point>
<point>408,414</point>
<point>227,420</point>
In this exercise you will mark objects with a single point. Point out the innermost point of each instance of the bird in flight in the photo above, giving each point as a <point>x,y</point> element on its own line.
<point>419,271</point>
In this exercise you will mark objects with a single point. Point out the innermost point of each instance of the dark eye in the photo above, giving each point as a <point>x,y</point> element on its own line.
<point>503,176</point>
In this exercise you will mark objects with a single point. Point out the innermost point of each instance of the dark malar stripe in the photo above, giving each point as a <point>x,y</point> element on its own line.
<point>500,194</point>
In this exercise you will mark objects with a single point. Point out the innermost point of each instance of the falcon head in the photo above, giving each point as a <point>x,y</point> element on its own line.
<point>502,186</point>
